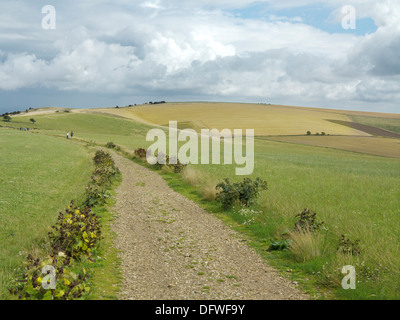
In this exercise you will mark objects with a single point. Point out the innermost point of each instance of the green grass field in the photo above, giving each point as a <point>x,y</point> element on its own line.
<point>90,127</point>
<point>40,175</point>
<point>385,147</point>
<point>353,193</point>
<point>392,125</point>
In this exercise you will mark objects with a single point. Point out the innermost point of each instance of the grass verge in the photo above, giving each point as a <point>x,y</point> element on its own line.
<point>106,275</point>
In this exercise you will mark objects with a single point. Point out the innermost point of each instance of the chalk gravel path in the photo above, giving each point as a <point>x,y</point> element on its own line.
<point>171,249</point>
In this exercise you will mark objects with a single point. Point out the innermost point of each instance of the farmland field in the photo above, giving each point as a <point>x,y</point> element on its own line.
<point>264,119</point>
<point>350,179</point>
<point>391,124</point>
<point>370,145</point>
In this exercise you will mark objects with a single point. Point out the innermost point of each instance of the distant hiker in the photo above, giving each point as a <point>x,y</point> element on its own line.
<point>67,135</point>
<point>72,134</point>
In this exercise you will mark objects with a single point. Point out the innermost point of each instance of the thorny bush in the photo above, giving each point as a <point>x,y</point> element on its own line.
<point>245,192</point>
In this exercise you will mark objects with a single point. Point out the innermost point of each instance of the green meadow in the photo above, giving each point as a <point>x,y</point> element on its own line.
<point>354,194</point>
<point>39,176</point>
<point>89,127</point>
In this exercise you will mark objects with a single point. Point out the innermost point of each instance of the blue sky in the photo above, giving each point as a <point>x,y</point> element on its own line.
<point>107,53</point>
<point>318,16</point>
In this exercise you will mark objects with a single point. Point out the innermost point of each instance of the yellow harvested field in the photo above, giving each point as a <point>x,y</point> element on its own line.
<point>385,147</point>
<point>264,119</point>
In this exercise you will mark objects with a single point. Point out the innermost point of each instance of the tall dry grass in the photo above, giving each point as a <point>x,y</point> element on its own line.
<point>202,181</point>
<point>306,245</point>
<point>332,275</point>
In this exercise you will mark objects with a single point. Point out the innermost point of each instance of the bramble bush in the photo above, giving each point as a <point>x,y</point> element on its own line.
<point>245,192</point>
<point>95,196</point>
<point>347,246</point>
<point>140,153</point>
<point>101,176</point>
<point>163,160</point>
<point>104,159</point>
<point>76,232</point>
<point>105,169</point>
<point>307,221</point>
<point>177,166</point>
<point>110,145</point>
<point>68,285</point>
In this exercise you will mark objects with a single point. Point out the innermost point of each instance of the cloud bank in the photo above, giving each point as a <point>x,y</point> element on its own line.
<point>198,49</point>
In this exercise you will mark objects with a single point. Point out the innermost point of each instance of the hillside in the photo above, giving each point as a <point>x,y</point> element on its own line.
<point>264,119</point>
<point>364,132</point>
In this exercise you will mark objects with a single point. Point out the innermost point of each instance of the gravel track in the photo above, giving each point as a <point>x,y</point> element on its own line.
<point>171,249</point>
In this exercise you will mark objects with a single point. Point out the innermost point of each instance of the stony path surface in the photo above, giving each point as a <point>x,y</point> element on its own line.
<point>172,249</point>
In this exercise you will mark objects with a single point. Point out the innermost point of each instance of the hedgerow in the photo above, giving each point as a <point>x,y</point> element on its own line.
<point>72,240</point>
<point>96,192</point>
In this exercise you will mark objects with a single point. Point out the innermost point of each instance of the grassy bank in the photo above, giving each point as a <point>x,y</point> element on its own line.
<point>106,276</point>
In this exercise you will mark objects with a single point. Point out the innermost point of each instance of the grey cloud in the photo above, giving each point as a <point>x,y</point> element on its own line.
<point>380,54</point>
<point>178,49</point>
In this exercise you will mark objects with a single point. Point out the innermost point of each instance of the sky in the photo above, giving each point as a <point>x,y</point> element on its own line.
<point>293,52</point>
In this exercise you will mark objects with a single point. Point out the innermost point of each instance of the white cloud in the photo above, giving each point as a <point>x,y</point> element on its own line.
<point>152,5</point>
<point>20,70</point>
<point>184,47</point>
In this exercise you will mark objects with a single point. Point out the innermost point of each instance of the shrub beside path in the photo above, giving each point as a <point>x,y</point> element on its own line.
<point>171,249</point>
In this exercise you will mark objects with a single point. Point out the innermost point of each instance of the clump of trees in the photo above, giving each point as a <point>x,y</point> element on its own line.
<point>317,133</point>
<point>11,113</point>
<point>157,102</point>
